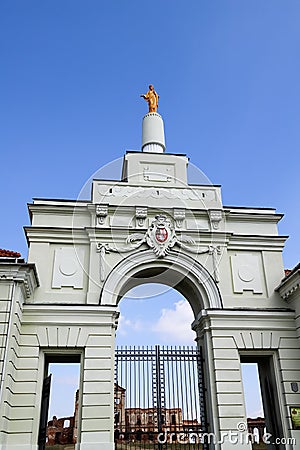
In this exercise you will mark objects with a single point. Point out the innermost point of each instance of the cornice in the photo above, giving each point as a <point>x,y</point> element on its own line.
<point>290,285</point>
<point>62,235</point>
<point>234,319</point>
<point>250,216</point>
<point>59,201</point>
<point>256,242</point>
<point>75,315</point>
<point>85,235</point>
<point>24,273</point>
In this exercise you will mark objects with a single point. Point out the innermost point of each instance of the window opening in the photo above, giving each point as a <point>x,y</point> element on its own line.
<point>262,385</point>
<point>59,417</point>
<point>253,403</point>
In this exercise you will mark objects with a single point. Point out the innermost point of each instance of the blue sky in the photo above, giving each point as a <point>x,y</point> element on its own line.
<point>227,72</point>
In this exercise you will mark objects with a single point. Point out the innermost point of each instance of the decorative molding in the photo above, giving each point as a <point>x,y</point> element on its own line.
<point>215,217</point>
<point>246,273</point>
<point>68,268</point>
<point>180,266</point>
<point>102,249</point>
<point>154,192</point>
<point>101,213</point>
<point>151,173</point>
<point>141,215</point>
<point>23,273</point>
<point>215,251</point>
<point>285,294</point>
<point>179,216</point>
<point>290,284</point>
<point>161,238</point>
<point>54,315</point>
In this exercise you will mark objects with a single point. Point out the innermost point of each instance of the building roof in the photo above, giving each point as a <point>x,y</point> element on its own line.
<point>290,272</point>
<point>290,283</point>
<point>9,254</point>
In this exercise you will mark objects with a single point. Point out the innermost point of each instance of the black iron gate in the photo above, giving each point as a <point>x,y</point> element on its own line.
<point>159,398</point>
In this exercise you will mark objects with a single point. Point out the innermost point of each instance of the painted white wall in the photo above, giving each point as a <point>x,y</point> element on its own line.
<point>227,261</point>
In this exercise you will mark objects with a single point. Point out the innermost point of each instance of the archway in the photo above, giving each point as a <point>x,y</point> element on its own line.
<point>159,419</point>
<point>177,270</point>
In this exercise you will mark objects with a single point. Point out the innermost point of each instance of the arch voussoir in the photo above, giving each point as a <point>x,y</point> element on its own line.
<point>177,270</point>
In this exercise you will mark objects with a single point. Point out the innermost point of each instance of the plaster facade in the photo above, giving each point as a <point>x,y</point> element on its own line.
<point>85,255</point>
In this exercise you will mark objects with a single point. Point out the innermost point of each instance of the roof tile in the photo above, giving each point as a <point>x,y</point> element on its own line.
<point>9,253</point>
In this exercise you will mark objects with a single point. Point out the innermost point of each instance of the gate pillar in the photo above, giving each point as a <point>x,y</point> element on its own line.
<point>227,419</point>
<point>97,416</point>
<point>88,332</point>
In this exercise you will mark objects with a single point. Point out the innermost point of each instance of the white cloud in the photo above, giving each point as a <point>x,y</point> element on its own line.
<point>126,325</point>
<point>174,325</point>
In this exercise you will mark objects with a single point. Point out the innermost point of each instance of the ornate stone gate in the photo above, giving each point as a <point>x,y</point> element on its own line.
<point>151,226</point>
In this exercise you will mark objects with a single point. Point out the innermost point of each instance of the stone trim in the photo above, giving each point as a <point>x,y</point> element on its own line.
<point>24,273</point>
<point>179,265</point>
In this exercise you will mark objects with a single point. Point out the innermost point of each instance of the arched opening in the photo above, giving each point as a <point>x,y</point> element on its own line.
<point>158,383</point>
<point>158,368</point>
<point>176,270</point>
<point>155,314</point>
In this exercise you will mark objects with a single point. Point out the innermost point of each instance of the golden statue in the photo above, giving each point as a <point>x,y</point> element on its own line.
<point>152,98</point>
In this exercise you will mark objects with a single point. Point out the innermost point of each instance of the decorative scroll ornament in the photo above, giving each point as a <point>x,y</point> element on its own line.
<point>215,251</point>
<point>102,249</point>
<point>160,237</point>
<point>152,192</point>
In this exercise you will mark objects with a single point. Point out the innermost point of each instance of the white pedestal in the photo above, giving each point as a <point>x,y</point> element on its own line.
<point>153,135</point>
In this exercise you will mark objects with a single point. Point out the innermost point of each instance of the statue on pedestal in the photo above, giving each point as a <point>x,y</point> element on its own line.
<point>152,98</point>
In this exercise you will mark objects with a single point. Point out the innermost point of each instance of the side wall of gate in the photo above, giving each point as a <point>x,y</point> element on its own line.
<point>228,338</point>
<point>41,330</point>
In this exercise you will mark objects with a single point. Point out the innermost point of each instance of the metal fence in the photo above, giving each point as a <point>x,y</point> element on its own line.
<point>159,398</point>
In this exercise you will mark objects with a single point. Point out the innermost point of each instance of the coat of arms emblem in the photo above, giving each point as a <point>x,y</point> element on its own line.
<point>161,235</point>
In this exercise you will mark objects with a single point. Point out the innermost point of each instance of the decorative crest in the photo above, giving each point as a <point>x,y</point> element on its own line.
<point>161,235</point>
